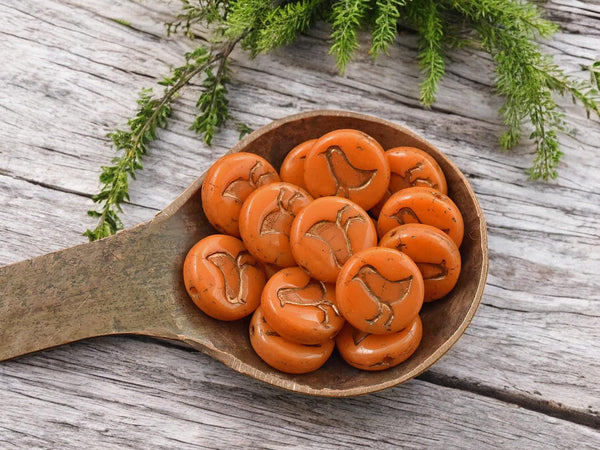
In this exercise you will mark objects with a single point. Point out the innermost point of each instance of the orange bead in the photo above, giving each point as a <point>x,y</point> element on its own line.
<point>301,309</point>
<point>422,205</point>
<point>270,269</point>
<point>229,181</point>
<point>379,290</point>
<point>222,278</point>
<point>292,168</point>
<point>327,232</point>
<point>435,254</point>
<point>350,164</point>
<point>266,219</point>
<point>412,167</point>
<point>283,355</point>
<point>379,352</point>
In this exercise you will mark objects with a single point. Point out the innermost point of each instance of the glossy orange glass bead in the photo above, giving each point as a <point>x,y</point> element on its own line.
<point>292,168</point>
<point>376,351</point>
<point>435,254</point>
<point>284,355</point>
<point>228,182</point>
<point>223,279</point>
<point>327,232</point>
<point>412,167</point>
<point>300,308</point>
<point>266,219</point>
<point>270,269</point>
<point>422,205</point>
<point>347,163</point>
<point>379,290</point>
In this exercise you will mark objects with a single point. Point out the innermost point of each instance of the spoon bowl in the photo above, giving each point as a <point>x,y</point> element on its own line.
<point>131,283</point>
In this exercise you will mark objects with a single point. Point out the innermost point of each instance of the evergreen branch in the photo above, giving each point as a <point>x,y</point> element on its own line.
<point>547,122</point>
<point>427,19</point>
<point>243,129</point>
<point>283,24</point>
<point>212,103</point>
<point>506,29</point>
<point>346,17</point>
<point>587,93</point>
<point>527,79</point>
<point>384,31</point>
<point>200,11</point>
<point>153,113</point>
<point>245,15</point>
<point>594,70</point>
<point>513,16</point>
<point>522,80</point>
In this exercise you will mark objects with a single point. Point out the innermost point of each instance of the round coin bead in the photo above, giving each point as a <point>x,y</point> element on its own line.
<point>379,351</point>
<point>379,290</point>
<point>435,254</point>
<point>292,167</point>
<point>422,205</point>
<point>227,184</point>
<point>301,309</point>
<point>347,163</point>
<point>326,232</point>
<point>412,167</point>
<point>223,279</point>
<point>284,355</point>
<point>266,219</point>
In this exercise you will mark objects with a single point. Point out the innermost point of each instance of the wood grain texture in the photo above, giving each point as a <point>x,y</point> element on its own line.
<point>71,75</point>
<point>134,394</point>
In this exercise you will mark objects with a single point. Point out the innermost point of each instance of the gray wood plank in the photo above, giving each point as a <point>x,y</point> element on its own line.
<point>126,393</point>
<point>72,75</point>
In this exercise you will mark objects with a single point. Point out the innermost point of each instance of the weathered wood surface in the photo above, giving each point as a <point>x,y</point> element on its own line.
<point>524,373</point>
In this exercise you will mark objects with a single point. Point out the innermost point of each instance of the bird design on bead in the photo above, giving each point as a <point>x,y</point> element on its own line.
<point>433,271</point>
<point>235,284</point>
<point>279,220</point>
<point>358,336</point>
<point>335,233</point>
<point>347,177</point>
<point>391,292</point>
<point>405,215</point>
<point>312,294</point>
<point>411,178</point>
<point>240,188</point>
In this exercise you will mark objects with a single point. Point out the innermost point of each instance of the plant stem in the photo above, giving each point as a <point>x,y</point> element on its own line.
<point>117,193</point>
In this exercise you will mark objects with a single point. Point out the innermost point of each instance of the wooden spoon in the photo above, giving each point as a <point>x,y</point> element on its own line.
<point>131,283</point>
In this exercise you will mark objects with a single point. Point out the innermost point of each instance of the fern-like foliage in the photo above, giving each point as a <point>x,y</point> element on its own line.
<point>526,78</point>
<point>245,16</point>
<point>346,17</point>
<point>514,16</point>
<point>197,12</point>
<point>132,143</point>
<point>281,25</point>
<point>508,30</point>
<point>212,103</point>
<point>426,16</point>
<point>385,25</point>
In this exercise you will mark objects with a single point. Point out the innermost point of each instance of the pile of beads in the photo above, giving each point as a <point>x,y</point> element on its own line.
<point>341,247</point>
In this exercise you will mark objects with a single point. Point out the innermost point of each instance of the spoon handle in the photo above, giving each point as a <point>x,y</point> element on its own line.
<point>101,288</point>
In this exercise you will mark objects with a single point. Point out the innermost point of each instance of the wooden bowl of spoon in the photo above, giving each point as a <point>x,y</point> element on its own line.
<point>131,283</point>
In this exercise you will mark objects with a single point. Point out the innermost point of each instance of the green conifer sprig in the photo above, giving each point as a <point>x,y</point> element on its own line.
<point>132,143</point>
<point>282,25</point>
<point>197,12</point>
<point>509,30</point>
<point>346,19</point>
<point>427,18</point>
<point>212,103</point>
<point>385,25</point>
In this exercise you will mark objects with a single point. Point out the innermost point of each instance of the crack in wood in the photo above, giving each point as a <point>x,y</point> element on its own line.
<point>548,407</point>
